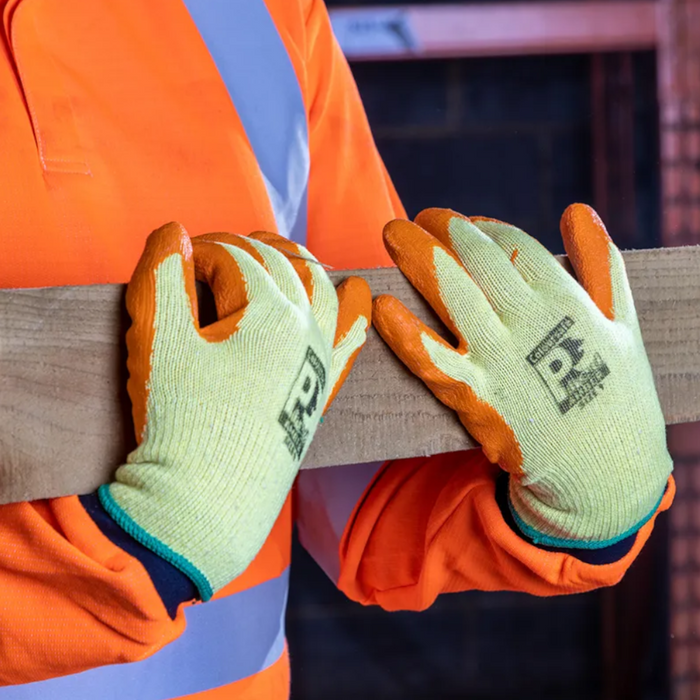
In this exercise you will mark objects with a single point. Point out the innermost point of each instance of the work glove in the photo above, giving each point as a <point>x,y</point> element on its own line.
<point>549,374</point>
<point>224,414</point>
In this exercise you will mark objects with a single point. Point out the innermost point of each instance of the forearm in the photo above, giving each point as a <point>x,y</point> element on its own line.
<point>434,525</point>
<point>73,599</point>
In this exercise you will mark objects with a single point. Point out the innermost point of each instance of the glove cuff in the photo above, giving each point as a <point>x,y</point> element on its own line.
<point>132,528</point>
<point>550,533</point>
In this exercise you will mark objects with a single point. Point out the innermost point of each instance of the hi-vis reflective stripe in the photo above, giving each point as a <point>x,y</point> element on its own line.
<point>253,63</point>
<point>226,640</point>
<point>326,499</point>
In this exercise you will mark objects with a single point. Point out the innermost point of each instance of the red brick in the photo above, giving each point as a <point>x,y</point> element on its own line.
<point>683,476</point>
<point>673,221</point>
<point>692,144</point>
<point>680,589</point>
<point>672,182</point>
<point>681,554</point>
<point>695,209</point>
<point>684,440</point>
<point>681,627</point>
<point>680,663</point>
<point>670,145</point>
<point>680,514</point>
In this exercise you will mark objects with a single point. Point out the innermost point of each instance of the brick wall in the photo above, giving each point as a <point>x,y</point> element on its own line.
<point>508,138</point>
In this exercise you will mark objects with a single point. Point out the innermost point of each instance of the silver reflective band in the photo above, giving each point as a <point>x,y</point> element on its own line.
<point>226,640</point>
<point>326,499</point>
<point>253,63</point>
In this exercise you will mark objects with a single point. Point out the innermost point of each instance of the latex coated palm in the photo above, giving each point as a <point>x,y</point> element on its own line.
<point>550,376</point>
<point>223,414</point>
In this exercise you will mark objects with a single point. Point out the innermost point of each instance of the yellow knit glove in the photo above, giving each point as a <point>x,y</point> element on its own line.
<point>549,375</point>
<point>224,414</point>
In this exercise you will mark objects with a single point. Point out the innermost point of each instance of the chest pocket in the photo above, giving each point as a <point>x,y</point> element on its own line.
<point>49,107</point>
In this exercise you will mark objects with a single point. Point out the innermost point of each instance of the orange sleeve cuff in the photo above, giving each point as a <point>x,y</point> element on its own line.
<point>428,526</point>
<point>77,600</point>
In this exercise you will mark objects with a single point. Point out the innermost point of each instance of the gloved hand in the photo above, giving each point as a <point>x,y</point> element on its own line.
<point>549,375</point>
<point>224,414</point>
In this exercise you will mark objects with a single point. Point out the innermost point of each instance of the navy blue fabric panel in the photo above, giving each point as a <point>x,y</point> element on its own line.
<point>172,585</point>
<point>608,555</point>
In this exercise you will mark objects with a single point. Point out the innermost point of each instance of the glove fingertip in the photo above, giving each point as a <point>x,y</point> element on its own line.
<point>273,239</point>
<point>392,234</point>
<point>165,241</point>
<point>588,245</point>
<point>385,305</point>
<point>170,239</point>
<point>354,301</point>
<point>411,248</point>
<point>579,219</point>
<point>356,289</point>
<point>437,221</point>
<point>398,326</point>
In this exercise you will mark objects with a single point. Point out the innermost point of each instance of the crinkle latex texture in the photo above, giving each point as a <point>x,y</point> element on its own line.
<point>550,374</point>
<point>224,414</point>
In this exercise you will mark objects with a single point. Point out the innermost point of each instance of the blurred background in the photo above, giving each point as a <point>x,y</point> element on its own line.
<point>514,111</point>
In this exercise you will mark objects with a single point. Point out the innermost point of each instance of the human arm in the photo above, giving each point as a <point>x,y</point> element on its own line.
<point>199,507</point>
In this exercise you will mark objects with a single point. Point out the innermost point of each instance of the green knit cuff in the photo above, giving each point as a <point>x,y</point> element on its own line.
<point>132,528</point>
<point>560,543</point>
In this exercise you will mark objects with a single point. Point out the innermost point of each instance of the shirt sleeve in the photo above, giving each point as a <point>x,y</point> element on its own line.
<point>428,526</point>
<point>71,598</point>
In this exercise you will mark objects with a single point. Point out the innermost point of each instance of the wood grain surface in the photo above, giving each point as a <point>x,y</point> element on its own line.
<point>64,414</point>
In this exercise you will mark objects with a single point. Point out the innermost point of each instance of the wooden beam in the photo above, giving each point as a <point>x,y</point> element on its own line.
<point>64,417</point>
<point>497,29</point>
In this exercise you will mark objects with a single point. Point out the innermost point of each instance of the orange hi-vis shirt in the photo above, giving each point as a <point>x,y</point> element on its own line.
<point>118,116</point>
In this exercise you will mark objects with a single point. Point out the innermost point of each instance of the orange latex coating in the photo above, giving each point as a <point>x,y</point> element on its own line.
<point>230,239</point>
<point>354,300</point>
<point>171,239</point>
<point>293,253</point>
<point>412,249</point>
<point>437,222</point>
<point>587,244</point>
<point>215,266</point>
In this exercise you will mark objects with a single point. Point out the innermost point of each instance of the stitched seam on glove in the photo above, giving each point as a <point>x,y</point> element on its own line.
<point>538,538</point>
